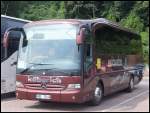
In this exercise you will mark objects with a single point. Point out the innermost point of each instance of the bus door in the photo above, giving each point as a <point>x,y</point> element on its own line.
<point>88,70</point>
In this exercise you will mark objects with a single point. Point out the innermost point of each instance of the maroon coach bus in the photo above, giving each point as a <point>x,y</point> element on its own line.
<point>76,61</point>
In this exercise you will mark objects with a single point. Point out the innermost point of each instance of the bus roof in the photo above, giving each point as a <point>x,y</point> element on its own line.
<point>109,23</point>
<point>14,18</point>
<point>89,22</point>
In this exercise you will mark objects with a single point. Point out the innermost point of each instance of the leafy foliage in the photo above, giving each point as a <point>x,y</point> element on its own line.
<point>134,22</point>
<point>145,41</point>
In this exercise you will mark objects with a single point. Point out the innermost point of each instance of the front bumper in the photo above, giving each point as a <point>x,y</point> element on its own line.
<point>71,96</point>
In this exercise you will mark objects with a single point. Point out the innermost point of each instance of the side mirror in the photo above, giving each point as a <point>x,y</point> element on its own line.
<point>25,42</point>
<point>80,37</point>
<point>14,63</point>
<point>5,39</point>
<point>6,35</point>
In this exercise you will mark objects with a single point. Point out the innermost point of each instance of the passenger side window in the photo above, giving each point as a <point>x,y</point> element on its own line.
<point>110,41</point>
<point>88,52</point>
<point>88,57</point>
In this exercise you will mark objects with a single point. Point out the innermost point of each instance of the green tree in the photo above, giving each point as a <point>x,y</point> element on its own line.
<point>145,43</point>
<point>142,10</point>
<point>81,9</point>
<point>133,22</point>
<point>61,11</point>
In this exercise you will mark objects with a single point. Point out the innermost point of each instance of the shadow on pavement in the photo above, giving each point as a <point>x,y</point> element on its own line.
<point>8,96</point>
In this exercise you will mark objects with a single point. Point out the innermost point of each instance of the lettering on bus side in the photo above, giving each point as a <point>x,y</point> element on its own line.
<point>115,62</point>
<point>53,80</point>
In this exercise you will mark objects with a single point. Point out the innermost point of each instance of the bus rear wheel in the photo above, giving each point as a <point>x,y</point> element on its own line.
<point>98,95</point>
<point>131,85</point>
<point>42,101</point>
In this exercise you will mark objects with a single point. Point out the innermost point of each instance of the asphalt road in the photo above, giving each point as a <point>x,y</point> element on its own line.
<point>137,101</point>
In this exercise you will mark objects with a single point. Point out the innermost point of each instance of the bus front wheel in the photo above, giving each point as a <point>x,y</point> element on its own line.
<point>97,96</point>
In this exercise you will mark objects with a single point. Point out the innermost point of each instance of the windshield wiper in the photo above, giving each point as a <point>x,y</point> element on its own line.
<point>33,64</point>
<point>48,70</point>
<point>60,71</point>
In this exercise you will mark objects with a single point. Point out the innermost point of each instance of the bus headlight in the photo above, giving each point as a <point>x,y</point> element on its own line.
<point>19,84</point>
<point>74,86</point>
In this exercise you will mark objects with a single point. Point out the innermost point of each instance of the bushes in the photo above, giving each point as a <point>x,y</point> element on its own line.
<point>145,44</point>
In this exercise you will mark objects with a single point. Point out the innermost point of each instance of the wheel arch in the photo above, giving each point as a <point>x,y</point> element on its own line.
<point>102,84</point>
<point>132,75</point>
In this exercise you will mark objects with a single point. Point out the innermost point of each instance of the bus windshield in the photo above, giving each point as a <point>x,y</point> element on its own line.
<point>51,46</point>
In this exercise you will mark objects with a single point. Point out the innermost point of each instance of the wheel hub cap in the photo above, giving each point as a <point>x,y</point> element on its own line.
<point>98,93</point>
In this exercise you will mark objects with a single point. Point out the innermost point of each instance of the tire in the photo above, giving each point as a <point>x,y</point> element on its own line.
<point>42,101</point>
<point>97,95</point>
<point>131,85</point>
<point>8,95</point>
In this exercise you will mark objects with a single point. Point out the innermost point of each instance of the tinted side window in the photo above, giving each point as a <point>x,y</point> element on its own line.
<point>88,51</point>
<point>109,41</point>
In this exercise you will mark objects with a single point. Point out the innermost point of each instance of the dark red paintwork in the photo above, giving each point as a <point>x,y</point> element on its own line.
<point>59,92</point>
<point>108,77</point>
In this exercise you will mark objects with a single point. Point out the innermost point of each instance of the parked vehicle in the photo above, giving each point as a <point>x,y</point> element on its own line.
<point>75,60</point>
<point>9,55</point>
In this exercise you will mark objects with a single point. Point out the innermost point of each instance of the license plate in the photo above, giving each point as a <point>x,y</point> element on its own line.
<point>40,96</point>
